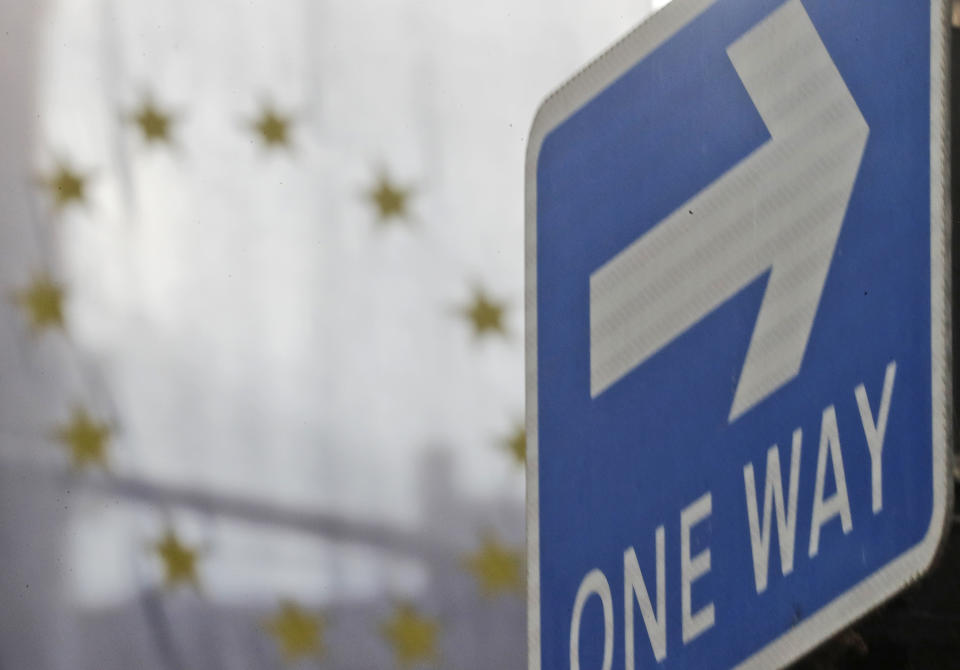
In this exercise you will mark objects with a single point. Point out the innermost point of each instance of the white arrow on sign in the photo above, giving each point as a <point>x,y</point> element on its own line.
<point>780,209</point>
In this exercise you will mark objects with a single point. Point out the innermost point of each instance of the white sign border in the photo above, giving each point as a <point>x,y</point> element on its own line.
<point>877,588</point>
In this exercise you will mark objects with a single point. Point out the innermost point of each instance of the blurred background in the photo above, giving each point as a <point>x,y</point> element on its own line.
<point>261,341</point>
<point>261,370</point>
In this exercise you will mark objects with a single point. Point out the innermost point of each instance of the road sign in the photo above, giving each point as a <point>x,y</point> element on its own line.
<point>737,333</point>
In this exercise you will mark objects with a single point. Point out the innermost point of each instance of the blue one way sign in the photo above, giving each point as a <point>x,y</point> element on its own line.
<point>737,333</point>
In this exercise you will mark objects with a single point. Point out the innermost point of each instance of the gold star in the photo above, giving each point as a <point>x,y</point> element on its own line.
<point>65,186</point>
<point>297,632</point>
<point>154,123</point>
<point>496,568</point>
<point>389,199</point>
<point>179,561</point>
<point>516,443</point>
<point>412,636</point>
<point>43,303</point>
<point>485,315</point>
<point>273,127</point>
<point>85,438</point>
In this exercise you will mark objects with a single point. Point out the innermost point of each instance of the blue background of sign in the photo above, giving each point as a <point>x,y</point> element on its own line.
<point>612,469</point>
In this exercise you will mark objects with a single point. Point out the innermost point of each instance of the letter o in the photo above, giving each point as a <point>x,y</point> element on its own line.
<point>593,583</point>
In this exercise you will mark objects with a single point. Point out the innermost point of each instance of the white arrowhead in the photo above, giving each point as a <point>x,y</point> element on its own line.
<point>780,209</point>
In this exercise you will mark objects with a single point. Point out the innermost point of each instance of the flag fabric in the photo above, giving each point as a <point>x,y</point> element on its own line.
<point>261,347</point>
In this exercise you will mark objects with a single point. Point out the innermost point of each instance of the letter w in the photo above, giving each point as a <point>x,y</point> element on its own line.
<point>786,517</point>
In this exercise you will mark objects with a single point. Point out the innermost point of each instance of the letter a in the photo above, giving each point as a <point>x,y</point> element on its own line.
<point>838,503</point>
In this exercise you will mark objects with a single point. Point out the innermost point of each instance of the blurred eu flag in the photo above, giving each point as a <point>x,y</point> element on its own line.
<point>261,377</point>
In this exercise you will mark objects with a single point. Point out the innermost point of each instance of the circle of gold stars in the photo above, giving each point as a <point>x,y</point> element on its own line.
<point>153,122</point>
<point>389,199</point>
<point>412,636</point>
<point>273,127</point>
<point>65,186</point>
<point>485,315</point>
<point>298,633</point>
<point>179,561</point>
<point>496,568</point>
<point>42,302</point>
<point>85,439</point>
